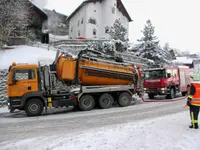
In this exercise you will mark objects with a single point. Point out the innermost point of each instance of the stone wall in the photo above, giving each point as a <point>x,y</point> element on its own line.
<point>3,87</point>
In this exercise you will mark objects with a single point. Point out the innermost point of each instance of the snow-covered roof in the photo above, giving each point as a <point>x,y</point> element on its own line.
<point>183,60</point>
<point>38,8</point>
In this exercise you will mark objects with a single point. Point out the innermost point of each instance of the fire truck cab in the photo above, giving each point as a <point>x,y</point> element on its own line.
<point>167,81</point>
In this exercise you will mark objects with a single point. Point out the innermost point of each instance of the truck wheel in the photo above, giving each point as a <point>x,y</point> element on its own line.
<point>34,107</point>
<point>172,93</point>
<point>151,96</point>
<point>124,99</point>
<point>106,101</point>
<point>86,103</point>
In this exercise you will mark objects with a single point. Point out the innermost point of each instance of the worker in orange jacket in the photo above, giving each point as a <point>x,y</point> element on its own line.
<point>194,103</point>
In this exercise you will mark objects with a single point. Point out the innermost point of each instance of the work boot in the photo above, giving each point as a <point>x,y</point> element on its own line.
<point>196,126</point>
<point>191,126</point>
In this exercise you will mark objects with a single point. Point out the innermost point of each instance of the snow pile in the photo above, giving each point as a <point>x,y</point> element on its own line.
<point>25,54</point>
<point>54,38</point>
<point>183,60</point>
<point>3,110</point>
<point>166,133</point>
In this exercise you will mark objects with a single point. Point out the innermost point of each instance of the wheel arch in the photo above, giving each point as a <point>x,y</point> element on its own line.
<point>32,95</point>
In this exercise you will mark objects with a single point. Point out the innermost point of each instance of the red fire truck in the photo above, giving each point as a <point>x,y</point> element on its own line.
<point>167,81</point>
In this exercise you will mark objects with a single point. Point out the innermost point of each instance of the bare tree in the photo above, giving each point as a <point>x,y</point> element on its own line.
<point>14,18</point>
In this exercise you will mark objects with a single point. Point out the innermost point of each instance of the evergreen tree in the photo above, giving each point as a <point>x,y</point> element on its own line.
<point>117,31</point>
<point>170,53</point>
<point>149,47</point>
<point>117,34</point>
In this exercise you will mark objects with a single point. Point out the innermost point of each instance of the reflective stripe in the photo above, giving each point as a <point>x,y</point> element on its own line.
<point>190,96</point>
<point>192,115</point>
<point>195,105</point>
<point>196,99</point>
<point>192,120</point>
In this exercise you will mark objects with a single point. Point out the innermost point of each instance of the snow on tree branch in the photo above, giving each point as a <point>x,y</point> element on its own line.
<point>117,31</point>
<point>14,17</point>
<point>148,46</point>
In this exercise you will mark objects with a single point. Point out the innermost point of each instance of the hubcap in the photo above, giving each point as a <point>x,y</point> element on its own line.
<point>124,99</point>
<point>106,101</point>
<point>87,102</point>
<point>33,108</point>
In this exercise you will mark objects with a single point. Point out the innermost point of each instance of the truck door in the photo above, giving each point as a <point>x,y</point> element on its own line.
<point>175,77</point>
<point>23,81</point>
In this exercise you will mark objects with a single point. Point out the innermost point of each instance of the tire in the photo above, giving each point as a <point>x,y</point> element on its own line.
<point>86,102</point>
<point>151,96</point>
<point>34,107</point>
<point>124,99</point>
<point>172,94</point>
<point>106,101</point>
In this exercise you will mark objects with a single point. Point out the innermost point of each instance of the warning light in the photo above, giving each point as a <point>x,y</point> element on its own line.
<point>14,64</point>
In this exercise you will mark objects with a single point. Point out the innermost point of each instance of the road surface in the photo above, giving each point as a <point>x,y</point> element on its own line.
<point>15,127</point>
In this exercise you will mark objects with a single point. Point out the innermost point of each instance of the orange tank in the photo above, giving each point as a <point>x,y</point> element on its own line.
<point>94,72</point>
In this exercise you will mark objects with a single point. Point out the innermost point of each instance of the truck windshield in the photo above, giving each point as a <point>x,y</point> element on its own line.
<point>154,74</point>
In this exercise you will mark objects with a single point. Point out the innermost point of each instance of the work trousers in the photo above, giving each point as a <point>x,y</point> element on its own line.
<point>194,113</point>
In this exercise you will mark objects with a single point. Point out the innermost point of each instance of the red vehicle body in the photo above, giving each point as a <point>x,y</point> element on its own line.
<point>167,81</point>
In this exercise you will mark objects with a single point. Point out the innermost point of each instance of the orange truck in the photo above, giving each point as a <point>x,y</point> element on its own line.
<point>167,81</point>
<point>102,80</point>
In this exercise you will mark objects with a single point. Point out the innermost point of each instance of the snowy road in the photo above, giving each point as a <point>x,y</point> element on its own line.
<point>16,127</point>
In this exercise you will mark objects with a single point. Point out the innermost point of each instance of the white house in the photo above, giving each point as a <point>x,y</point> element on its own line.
<point>93,17</point>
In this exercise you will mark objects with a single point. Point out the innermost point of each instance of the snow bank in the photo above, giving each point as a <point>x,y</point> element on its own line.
<point>25,54</point>
<point>183,60</point>
<point>54,38</point>
<point>167,133</point>
<point>4,110</point>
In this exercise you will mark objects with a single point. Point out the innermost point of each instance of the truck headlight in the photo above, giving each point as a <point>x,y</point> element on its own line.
<point>145,89</point>
<point>162,89</point>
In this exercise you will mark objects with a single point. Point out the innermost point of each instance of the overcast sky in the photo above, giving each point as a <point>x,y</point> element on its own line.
<point>175,21</point>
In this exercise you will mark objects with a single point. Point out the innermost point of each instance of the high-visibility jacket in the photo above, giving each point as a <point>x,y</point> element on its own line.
<point>195,94</point>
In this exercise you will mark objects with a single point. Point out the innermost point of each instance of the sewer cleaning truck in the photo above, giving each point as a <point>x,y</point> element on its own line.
<point>100,80</point>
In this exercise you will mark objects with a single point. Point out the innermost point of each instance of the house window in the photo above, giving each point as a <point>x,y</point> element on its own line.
<point>94,10</point>
<point>82,21</point>
<point>71,29</point>
<point>113,10</point>
<point>78,23</point>
<point>92,21</point>
<point>79,33</point>
<point>94,31</point>
<point>106,29</point>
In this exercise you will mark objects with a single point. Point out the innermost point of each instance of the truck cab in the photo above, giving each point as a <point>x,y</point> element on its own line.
<point>166,81</point>
<point>23,80</point>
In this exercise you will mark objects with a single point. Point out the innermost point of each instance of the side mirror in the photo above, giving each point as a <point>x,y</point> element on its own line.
<point>168,75</point>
